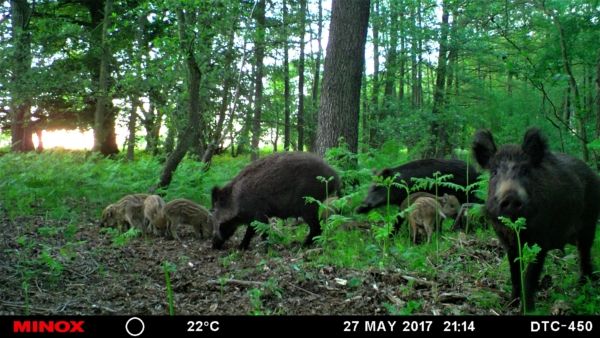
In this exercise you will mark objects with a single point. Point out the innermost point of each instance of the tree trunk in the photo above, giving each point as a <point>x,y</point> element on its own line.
<point>579,114</point>
<point>312,137</point>
<point>135,102</point>
<point>344,62</point>
<point>104,133</point>
<point>440,144</point>
<point>20,103</point>
<point>152,122</point>
<point>413,59</point>
<point>364,113</point>
<point>419,56</point>
<point>286,81</point>
<point>259,51</point>
<point>301,77</point>
<point>227,83</point>
<point>392,56</point>
<point>375,110</point>
<point>191,132</point>
<point>402,66</point>
<point>598,104</point>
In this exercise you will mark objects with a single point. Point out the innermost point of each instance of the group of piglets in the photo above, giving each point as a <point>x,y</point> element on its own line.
<point>151,214</point>
<point>558,195</point>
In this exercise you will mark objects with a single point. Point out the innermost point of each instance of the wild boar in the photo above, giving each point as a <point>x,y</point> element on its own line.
<point>424,216</point>
<point>154,214</point>
<point>449,203</point>
<point>181,211</point>
<point>274,186</point>
<point>556,193</point>
<point>127,212</point>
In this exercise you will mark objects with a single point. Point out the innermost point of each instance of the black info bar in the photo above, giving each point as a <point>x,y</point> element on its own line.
<point>328,326</point>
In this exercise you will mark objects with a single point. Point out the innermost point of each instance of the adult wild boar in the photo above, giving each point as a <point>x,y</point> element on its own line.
<point>558,194</point>
<point>274,186</point>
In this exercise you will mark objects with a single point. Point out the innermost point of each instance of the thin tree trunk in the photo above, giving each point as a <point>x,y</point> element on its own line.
<point>419,57</point>
<point>364,112</point>
<point>131,127</point>
<point>413,58</point>
<point>190,133</point>
<point>580,115</point>
<point>227,83</point>
<point>286,82</point>
<point>301,77</point>
<point>375,109</point>
<point>402,75</point>
<point>598,106</point>
<point>316,79</point>
<point>392,56</point>
<point>440,144</point>
<point>258,85</point>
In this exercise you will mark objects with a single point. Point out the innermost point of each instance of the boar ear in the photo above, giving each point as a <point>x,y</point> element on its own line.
<point>535,145</point>
<point>215,193</point>
<point>484,147</point>
<point>387,172</point>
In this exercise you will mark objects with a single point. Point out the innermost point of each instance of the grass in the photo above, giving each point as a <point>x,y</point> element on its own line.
<point>68,189</point>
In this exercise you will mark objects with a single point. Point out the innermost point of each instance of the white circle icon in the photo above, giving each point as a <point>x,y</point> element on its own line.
<point>127,327</point>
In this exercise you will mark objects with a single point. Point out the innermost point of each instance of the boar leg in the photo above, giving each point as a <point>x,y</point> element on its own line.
<point>584,246</point>
<point>429,231</point>
<point>515,274</point>
<point>170,229</point>
<point>247,237</point>
<point>413,228</point>
<point>312,219</point>
<point>532,277</point>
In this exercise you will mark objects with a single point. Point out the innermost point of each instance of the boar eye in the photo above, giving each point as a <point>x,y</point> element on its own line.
<point>493,172</point>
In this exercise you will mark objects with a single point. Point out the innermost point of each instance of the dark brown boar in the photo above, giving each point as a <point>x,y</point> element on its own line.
<point>557,194</point>
<point>274,186</point>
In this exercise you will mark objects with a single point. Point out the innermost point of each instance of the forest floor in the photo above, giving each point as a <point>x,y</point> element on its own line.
<point>92,275</point>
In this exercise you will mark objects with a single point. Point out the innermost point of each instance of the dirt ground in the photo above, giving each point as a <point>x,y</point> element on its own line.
<point>96,277</point>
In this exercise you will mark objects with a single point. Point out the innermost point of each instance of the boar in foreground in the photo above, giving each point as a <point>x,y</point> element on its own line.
<point>181,211</point>
<point>274,186</point>
<point>556,193</point>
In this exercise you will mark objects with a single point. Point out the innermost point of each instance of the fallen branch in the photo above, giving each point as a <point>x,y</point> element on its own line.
<point>302,289</point>
<point>234,282</point>
<point>418,281</point>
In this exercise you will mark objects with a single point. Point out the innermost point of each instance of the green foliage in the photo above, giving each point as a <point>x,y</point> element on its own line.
<point>169,268</point>
<point>526,253</point>
<point>122,239</point>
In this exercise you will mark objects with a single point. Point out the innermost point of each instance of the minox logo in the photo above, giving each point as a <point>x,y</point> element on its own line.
<point>48,326</point>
